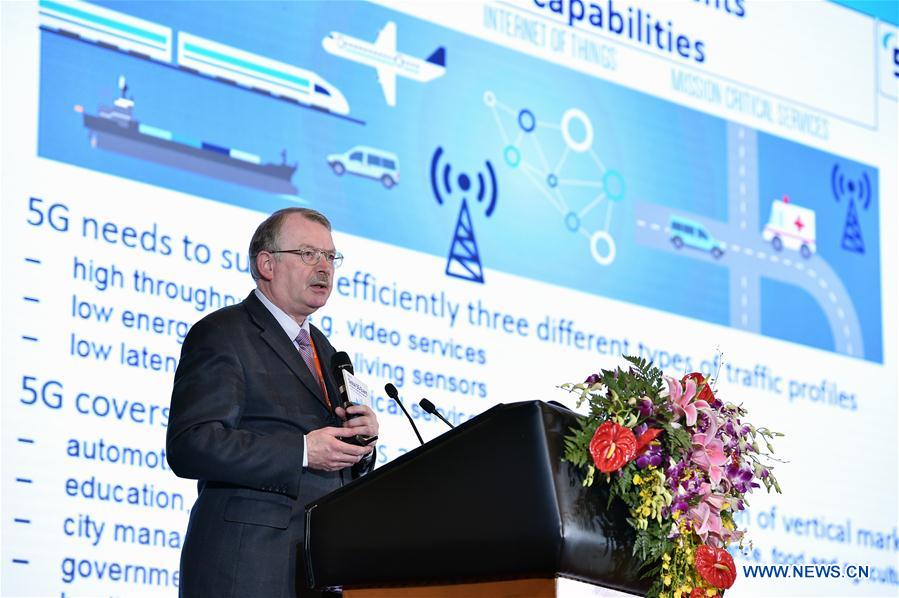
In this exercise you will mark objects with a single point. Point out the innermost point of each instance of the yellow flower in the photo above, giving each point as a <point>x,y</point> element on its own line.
<point>711,592</point>
<point>666,557</point>
<point>637,479</point>
<point>666,580</point>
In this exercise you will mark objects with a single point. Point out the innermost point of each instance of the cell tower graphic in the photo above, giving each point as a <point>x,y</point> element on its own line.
<point>853,190</point>
<point>852,231</point>
<point>464,259</point>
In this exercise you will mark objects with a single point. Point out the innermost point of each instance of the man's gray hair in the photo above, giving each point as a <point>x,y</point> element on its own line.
<point>268,233</point>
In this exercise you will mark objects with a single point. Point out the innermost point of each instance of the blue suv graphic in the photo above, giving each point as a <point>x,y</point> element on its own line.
<point>369,162</point>
<point>692,234</point>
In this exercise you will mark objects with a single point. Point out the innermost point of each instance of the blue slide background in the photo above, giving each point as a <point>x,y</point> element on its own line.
<point>665,155</point>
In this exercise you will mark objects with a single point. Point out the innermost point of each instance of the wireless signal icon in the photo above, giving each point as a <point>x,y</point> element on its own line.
<point>464,260</point>
<point>854,191</point>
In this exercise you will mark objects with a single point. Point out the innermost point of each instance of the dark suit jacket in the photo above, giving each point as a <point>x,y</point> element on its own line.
<point>243,399</point>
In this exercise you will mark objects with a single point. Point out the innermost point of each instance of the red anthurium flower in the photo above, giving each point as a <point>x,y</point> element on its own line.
<point>716,566</point>
<point>705,394</point>
<point>612,446</point>
<point>643,442</point>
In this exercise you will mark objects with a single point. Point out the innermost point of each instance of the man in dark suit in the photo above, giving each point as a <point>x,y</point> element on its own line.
<point>255,418</point>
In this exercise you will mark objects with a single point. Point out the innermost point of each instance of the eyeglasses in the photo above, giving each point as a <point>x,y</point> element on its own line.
<point>311,256</point>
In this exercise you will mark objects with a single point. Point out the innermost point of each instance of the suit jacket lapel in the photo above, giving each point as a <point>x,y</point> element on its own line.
<point>273,335</point>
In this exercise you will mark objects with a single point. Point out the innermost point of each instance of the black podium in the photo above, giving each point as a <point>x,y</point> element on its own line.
<point>490,500</point>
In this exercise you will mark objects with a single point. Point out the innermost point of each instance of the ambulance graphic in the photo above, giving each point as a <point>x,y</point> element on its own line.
<point>790,226</point>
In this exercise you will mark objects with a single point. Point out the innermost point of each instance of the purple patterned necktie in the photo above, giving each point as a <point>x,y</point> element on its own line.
<point>305,344</point>
<point>308,353</point>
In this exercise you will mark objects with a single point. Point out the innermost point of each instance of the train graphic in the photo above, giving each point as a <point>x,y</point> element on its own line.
<point>148,40</point>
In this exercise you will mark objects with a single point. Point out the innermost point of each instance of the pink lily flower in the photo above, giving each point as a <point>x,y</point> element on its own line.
<point>706,520</point>
<point>708,453</point>
<point>716,501</point>
<point>708,517</point>
<point>682,399</point>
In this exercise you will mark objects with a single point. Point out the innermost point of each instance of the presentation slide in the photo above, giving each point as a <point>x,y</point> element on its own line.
<point>526,191</point>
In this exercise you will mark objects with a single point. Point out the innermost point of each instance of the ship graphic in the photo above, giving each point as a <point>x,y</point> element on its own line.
<point>115,129</point>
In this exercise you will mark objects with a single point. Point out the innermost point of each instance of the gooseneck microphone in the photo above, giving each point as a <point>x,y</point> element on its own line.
<point>430,408</point>
<point>340,363</point>
<point>394,394</point>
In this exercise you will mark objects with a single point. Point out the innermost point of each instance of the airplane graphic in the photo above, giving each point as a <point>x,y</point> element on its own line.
<point>389,63</point>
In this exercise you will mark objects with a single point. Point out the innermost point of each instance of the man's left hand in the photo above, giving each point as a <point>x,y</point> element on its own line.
<point>364,421</point>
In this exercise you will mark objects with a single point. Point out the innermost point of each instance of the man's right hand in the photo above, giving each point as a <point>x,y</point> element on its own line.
<point>326,451</point>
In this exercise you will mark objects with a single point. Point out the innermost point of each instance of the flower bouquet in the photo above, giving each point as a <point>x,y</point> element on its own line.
<point>682,461</point>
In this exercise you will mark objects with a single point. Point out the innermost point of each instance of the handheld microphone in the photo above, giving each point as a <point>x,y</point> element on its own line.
<point>430,408</point>
<point>339,363</point>
<point>394,394</point>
